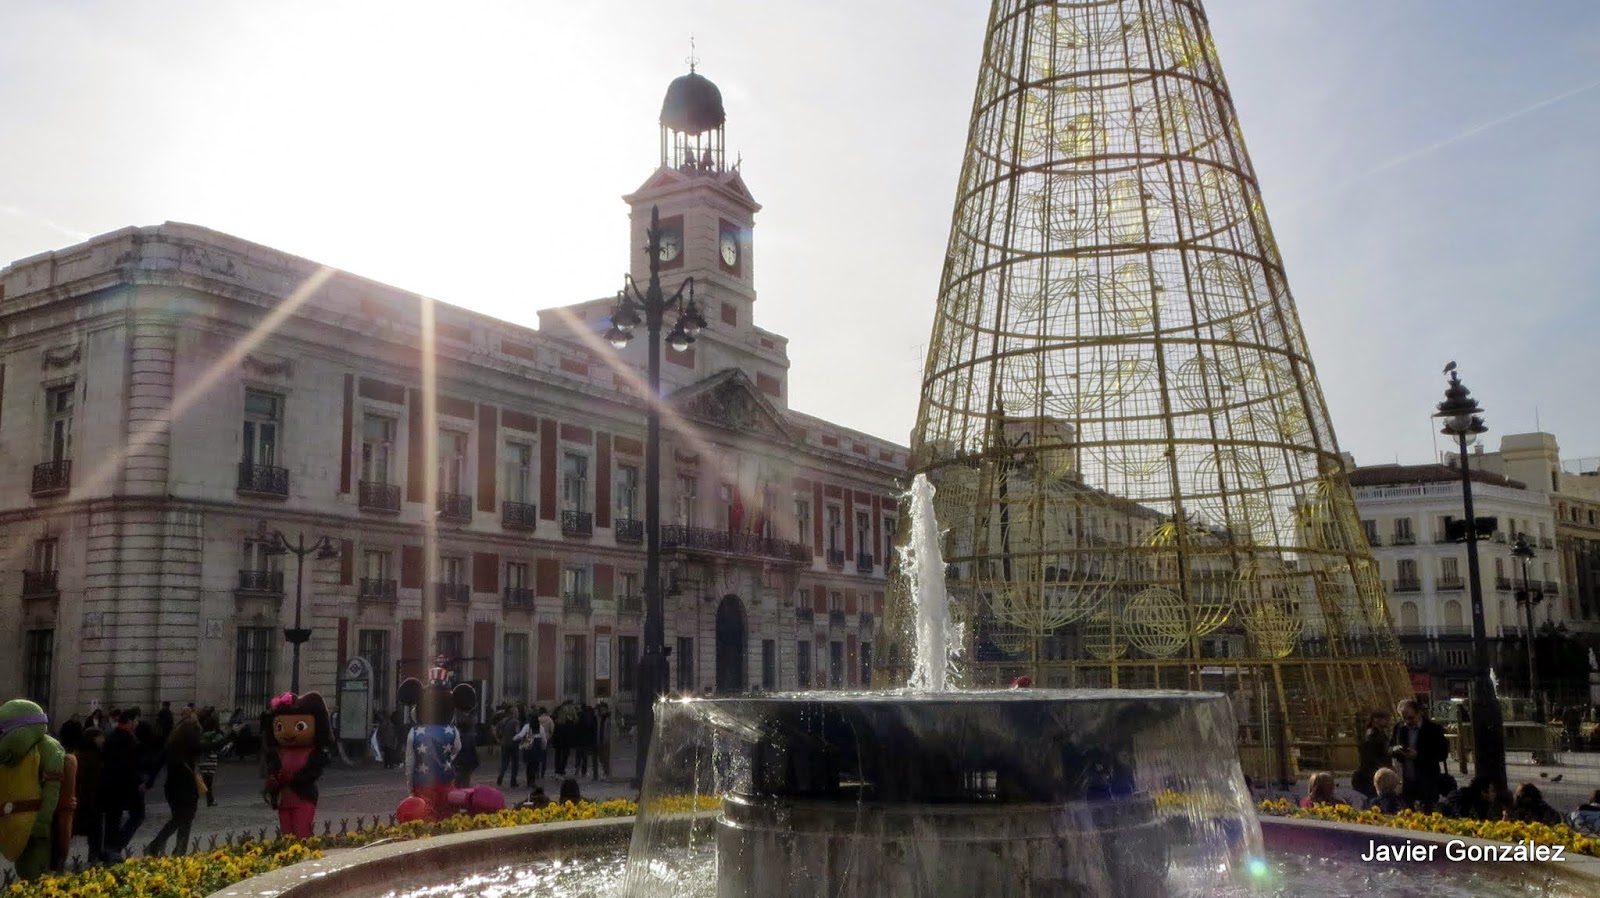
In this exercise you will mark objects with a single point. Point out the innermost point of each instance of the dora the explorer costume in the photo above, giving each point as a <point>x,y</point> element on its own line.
<point>297,754</point>
<point>38,780</point>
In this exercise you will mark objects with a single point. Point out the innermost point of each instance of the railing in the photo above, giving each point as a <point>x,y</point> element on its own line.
<point>1502,583</point>
<point>1408,586</point>
<point>459,593</point>
<point>1374,540</point>
<point>805,615</point>
<point>864,563</point>
<point>1498,536</point>
<point>866,620</point>
<point>376,589</point>
<point>836,557</point>
<point>1454,630</point>
<point>453,507</point>
<point>835,618</point>
<point>1552,588</point>
<point>519,515</point>
<point>1546,542</point>
<point>1451,583</point>
<point>577,523</point>
<point>52,477</point>
<point>261,581</point>
<point>263,480</point>
<point>628,530</point>
<point>677,536</point>
<point>630,603</point>
<point>519,597</point>
<point>374,496</point>
<point>577,602</point>
<point>38,583</point>
<point>1403,540</point>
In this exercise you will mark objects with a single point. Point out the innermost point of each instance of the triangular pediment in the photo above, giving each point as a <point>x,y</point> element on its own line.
<point>730,401</point>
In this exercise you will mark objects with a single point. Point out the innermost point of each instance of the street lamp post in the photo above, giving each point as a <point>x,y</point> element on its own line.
<point>625,316</point>
<point>1527,597</point>
<point>297,635</point>
<point>1461,417</point>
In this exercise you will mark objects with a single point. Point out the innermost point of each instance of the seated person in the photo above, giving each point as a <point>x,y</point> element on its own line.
<point>569,791</point>
<point>1586,819</point>
<point>1320,792</point>
<point>536,799</point>
<point>1529,806</point>
<point>1387,798</point>
<point>1477,800</point>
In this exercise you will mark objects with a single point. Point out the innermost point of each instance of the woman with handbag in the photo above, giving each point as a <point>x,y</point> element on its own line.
<point>183,787</point>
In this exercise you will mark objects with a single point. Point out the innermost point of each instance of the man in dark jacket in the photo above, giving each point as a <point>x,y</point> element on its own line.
<point>122,785</point>
<point>1420,746</point>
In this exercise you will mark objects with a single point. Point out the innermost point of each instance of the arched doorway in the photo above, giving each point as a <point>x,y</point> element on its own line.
<point>730,645</point>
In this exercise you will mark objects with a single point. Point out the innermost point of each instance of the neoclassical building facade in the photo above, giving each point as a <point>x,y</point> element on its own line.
<point>172,397</point>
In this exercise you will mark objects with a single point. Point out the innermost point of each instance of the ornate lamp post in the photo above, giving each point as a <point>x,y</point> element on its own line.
<point>1527,597</point>
<point>324,549</point>
<point>625,316</point>
<point>1461,417</point>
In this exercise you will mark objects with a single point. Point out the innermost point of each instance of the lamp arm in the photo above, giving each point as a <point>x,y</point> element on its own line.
<point>677,295</point>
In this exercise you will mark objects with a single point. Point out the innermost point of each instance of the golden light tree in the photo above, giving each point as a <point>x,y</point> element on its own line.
<point>1133,456</point>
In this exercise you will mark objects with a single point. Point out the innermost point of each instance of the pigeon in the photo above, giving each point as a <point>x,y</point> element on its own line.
<point>1450,367</point>
<point>1557,778</point>
<point>1543,775</point>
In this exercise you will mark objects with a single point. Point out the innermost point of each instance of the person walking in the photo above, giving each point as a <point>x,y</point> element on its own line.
<point>211,741</point>
<point>566,717</point>
<point>602,740</point>
<point>388,742</point>
<point>122,785</point>
<point>531,741</point>
<point>506,732</point>
<point>1420,747</point>
<point>584,744</point>
<point>183,785</point>
<point>1372,753</point>
<point>466,760</point>
<point>547,739</point>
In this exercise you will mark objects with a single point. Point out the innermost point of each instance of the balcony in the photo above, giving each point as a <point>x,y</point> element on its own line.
<point>721,542</point>
<point>1503,584</point>
<point>1403,540</point>
<point>1451,584</point>
<point>1408,585</point>
<point>38,583</point>
<point>384,497</point>
<point>455,507</point>
<point>864,563</point>
<point>836,558</point>
<point>867,620</point>
<point>519,597</point>
<point>453,593</point>
<point>577,523</point>
<point>630,603</point>
<point>270,582</point>
<point>805,615</point>
<point>519,515</point>
<point>263,480</point>
<point>52,477</point>
<point>577,603</point>
<point>1552,588</point>
<point>1546,542</point>
<point>836,618</point>
<point>628,530</point>
<point>1499,536</point>
<point>377,590</point>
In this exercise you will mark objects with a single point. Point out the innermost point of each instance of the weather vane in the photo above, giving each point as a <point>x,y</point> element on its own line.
<point>693,60</point>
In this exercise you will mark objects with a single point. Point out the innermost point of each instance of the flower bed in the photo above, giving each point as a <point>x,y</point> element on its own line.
<point>1497,830</point>
<point>202,873</point>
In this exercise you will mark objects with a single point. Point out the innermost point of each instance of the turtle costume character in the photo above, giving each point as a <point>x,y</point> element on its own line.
<point>297,754</point>
<point>432,746</point>
<point>38,780</point>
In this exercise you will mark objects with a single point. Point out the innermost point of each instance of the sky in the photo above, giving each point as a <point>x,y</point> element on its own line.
<point>1429,168</point>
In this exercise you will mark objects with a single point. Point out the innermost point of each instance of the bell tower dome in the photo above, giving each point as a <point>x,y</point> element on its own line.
<point>692,120</point>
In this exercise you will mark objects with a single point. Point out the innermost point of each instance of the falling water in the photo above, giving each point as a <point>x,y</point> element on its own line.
<point>938,638</point>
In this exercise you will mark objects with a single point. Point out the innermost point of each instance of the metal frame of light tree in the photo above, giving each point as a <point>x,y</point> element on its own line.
<point>1133,456</point>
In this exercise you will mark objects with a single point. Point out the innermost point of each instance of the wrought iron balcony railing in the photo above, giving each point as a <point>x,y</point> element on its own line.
<point>52,477</point>
<point>38,583</point>
<point>805,615</point>
<point>864,563</point>
<point>379,496</point>
<point>1546,542</point>
<point>263,480</point>
<point>519,597</point>
<point>835,618</point>
<point>1451,584</point>
<point>836,557</point>
<point>1403,540</point>
<point>1408,585</point>
<point>1552,588</point>
<point>630,603</point>
<point>453,507</point>
<point>577,602</point>
<point>261,581</point>
<point>867,620</point>
<point>1502,583</point>
<point>577,523</point>
<point>456,593</point>
<point>628,530</point>
<point>703,539</point>
<point>377,589</point>
<point>519,515</point>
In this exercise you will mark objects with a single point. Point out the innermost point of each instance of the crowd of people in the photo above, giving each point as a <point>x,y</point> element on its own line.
<point>1403,766</point>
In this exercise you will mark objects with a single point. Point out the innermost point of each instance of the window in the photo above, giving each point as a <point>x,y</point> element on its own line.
<point>575,582</point>
<point>836,665</point>
<point>373,645</point>
<point>58,424</point>
<point>452,570</point>
<point>451,645</point>
<point>514,685</point>
<point>375,564</point>
<point>252,669</point>
<point>864,533</point>
<point>38,658</point>
<point>516,575</point>
<point>769,664</point>
<point>835,601</point>
<point>44,556</point>
<point>258,555</point>
<point>1407,569</point>
<point>261,416</point>
<point>575,482</point>
<point>685,664</point>
<point>628,657</point>
<point>802,664</point>
<point>1457,657</point>
<point>452,462</point>
<point>802,522</point>
<point>866,664</point>
<point>889,534</point>
<point>1499,568</point>
<point>1371,529</point>
<point>835,529</point>
<point>377,448</point>
<point>518,475</point>
<point>1410,616</point>
<point>1402,531</point>
<point>1449,570</point>
<point>626,493</point>
<point>630,584</point>
<point>687,489</point>
<point>1450,615</point>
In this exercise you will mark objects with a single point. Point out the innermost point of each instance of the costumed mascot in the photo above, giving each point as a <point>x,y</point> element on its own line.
<point>297,753</point>
<point>431,749</point>
<point>38,782</point>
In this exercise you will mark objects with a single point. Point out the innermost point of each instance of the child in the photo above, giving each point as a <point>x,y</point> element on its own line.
<point>1386,797</point>
<point>536,799</point>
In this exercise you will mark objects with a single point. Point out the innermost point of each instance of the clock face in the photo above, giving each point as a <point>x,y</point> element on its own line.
<point>730,248</point>
<point>671,246</point>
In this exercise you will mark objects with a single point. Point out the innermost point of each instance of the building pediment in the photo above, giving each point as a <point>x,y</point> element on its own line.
<point>730,401</point>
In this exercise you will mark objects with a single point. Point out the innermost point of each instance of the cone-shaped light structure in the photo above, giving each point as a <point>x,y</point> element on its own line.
<point>1132,454</point>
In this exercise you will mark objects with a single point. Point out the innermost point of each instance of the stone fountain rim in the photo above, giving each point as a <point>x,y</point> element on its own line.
<point>917,697</point>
